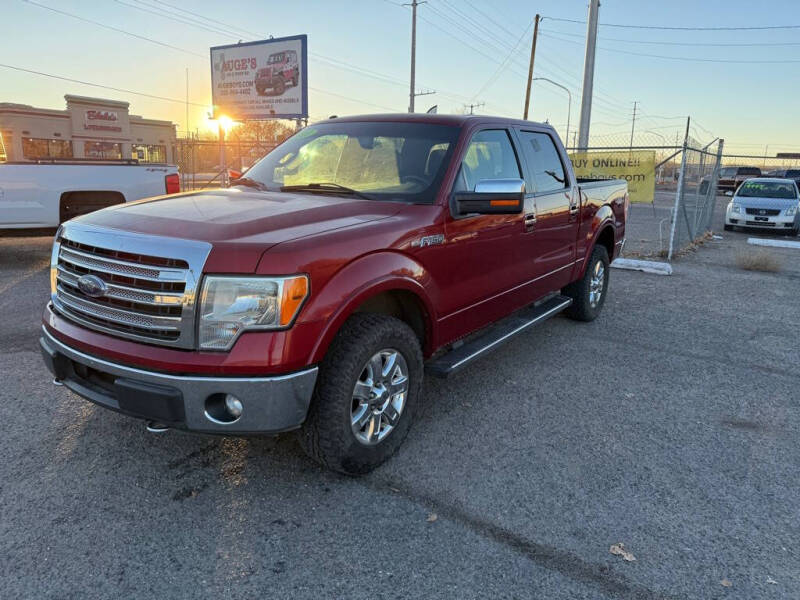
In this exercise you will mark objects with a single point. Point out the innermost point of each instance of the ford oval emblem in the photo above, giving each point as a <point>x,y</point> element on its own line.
<point>92,285</point>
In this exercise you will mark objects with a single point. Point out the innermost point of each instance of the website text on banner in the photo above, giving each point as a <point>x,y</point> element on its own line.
<point>636,167</point>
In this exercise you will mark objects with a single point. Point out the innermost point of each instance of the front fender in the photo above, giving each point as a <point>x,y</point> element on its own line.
<point>360,280</point>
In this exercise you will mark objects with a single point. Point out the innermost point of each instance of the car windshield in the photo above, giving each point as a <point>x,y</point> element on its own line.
<point>767,189</point>
<point>275,58</point>
<point>379,160</point>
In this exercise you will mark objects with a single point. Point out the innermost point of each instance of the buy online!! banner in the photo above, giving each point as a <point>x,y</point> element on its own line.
<point>636,167</point>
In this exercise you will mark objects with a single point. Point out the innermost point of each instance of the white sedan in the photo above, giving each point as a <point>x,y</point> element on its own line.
<point>765,203</point>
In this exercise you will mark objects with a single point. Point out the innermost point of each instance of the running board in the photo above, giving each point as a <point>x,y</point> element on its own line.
<point>495,336</point>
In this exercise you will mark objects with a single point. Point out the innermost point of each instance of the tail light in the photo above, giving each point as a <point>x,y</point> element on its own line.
<point>173,183</point>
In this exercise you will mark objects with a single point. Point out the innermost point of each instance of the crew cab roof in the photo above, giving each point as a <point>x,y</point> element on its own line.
<point>452,120</point>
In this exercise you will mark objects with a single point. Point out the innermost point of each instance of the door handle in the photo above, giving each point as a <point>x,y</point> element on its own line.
<point>530,221</point>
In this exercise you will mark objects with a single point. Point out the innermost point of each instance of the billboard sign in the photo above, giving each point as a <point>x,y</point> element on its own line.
<point>267,79</point>
<point>637,167</point>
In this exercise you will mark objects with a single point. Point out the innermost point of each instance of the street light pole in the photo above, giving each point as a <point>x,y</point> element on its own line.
<point>569,96</point>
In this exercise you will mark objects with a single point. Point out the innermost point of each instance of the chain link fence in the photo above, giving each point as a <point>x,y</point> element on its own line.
<point>695,196</point>
<point>203,165</point>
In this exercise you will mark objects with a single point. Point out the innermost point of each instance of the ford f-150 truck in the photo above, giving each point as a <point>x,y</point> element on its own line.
<point>314,293</point>
<point>48,192</point>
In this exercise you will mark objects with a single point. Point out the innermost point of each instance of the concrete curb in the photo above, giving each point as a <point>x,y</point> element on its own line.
<point>646,266</point>
<point>773,243</point>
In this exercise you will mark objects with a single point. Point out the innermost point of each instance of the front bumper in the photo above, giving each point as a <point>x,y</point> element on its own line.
<point>776,223</point>
<point>269,404</point>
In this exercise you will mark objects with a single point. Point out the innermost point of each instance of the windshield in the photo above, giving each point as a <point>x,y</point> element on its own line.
<point>380,160</point>
<point>767,189</point>
<point>275,58</point>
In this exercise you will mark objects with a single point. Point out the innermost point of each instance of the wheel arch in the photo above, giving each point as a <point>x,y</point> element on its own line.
<point>399,292</point>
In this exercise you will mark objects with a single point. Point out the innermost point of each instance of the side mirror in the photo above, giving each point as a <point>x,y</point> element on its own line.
<point>492,197</point>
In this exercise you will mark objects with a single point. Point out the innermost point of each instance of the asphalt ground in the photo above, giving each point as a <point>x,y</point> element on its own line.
<point>669,424</point>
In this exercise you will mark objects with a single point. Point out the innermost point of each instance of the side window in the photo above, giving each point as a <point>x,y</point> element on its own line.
<point>544,161</point>
<point>489,155</point>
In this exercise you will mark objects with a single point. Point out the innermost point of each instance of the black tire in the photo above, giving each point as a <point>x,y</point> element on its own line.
<point>582,308</point>
<point>279,86</point>
<point>295,78</point>
<point>728,227</point>
<point>327,436</point>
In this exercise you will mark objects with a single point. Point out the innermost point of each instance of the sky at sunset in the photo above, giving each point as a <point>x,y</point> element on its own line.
<point>741,85</point>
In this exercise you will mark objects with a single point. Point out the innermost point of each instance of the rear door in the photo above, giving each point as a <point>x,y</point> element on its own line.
<point>549,247</point>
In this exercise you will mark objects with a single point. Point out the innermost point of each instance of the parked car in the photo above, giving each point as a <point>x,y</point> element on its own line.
<point>313,293</point>
<point>282,69</point>
<point>793,174</point>
<point>765,203</point>
<point>48,192</point>
<point>730,178</point>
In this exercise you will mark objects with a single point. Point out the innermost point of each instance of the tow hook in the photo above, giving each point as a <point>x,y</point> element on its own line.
<point>156,427</point>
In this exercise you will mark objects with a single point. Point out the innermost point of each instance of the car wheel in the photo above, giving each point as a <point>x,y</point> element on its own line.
<point>279,86</point>
<point>295,78</point>
<point>589,293</point>
<point>367,394</point>
<point>728,227</point>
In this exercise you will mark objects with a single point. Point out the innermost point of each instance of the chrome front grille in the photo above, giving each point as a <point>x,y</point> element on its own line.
<point>149,284</point>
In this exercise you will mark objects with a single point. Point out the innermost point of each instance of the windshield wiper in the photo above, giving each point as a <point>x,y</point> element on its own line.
<point>247,182</point>
<point>325,187</point>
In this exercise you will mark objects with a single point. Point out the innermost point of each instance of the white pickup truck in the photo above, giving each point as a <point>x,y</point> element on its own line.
<point>49,192</point>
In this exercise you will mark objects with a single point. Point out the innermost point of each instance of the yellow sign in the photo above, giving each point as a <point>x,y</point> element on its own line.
<point>636,167</point>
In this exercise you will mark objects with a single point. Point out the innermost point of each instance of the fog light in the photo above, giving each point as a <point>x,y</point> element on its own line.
<point>233,405</point>
<point>223,409</point>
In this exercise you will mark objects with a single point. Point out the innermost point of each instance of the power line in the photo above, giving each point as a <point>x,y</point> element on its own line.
<point>667,28</point>
<point>104,26</point>
<point>660,43</point>
<point>682,58</point>
<point>98,85</point>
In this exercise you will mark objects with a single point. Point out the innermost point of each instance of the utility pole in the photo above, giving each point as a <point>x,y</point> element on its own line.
<point>412,86</point>
<point>588,74</point>
<point>686,135</point>
<point>474,106</point>
<point>633,122</point>
<point>530,68</point>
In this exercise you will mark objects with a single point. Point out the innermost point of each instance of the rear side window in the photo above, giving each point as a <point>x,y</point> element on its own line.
<point>544,161</point>
<point>750,171</point>
<point>489,155</point>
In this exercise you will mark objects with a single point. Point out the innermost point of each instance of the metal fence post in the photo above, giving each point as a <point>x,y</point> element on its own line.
<point>713,185</point>
<point>678,202</point>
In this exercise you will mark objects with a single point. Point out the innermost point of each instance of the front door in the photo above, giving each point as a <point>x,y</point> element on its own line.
<point>482,258</point>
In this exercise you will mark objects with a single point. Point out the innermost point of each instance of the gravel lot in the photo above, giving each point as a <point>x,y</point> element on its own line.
<point>669,424</point>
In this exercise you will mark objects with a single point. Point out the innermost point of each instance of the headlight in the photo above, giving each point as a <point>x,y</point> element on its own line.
<point>736,208</point>
<point>791,211</point>
<point>230,305</point>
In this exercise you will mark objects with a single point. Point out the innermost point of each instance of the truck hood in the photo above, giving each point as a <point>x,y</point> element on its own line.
<point>241,224</point>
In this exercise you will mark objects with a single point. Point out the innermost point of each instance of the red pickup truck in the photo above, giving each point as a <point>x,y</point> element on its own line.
<point>314,293</point>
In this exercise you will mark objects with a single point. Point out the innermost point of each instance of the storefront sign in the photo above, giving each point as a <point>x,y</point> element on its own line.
<point>636,167</point>
<point>261,80</point>
<point>101,120</point>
